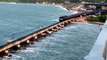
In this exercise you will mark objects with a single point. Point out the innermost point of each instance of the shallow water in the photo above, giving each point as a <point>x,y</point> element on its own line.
<point>70,43</point>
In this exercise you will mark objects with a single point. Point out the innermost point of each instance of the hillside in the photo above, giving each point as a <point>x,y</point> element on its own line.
<point>55,1</point>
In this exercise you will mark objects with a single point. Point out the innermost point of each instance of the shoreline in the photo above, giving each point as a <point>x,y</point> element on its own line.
<point>97,23</point>
<point>62,6</point>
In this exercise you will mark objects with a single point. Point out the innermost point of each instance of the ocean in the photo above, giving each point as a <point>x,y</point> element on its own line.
<point>73,42</point>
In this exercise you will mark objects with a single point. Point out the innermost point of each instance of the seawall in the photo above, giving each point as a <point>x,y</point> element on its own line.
<point>98,52</point>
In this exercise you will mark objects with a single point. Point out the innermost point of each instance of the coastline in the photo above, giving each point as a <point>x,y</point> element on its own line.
<point>70,9</point>
<point>62,6</point>
<point>97,23</point>
<point>90,22</point>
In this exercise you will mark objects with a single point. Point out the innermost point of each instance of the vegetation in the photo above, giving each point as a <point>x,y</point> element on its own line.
<point>55,1</point>
<point>24,1</point>
<point>8,0</point>
<point>100,18</point>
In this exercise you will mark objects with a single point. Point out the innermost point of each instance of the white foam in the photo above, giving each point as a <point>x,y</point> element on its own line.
<point>14,57</point>
<point>39,49</point>
<point>54,51</point>
<point>6,57</point>
<point>61,7</point>
<point>28,50</point>
<point>12,3</point>
<point>8,2</point>
<point>74,12</point>
<point>48,41</point>
<point>72,27</point>
<point>55,20</point>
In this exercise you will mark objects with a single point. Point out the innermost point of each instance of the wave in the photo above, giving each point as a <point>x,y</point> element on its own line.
<point>56,20</point>
<point>14,57</point>
<point>61,7</point>
<point>17,57</point>
<point>74,12</point>
<point>28,50</point>
<point>8,2</point>
<point>46,50</point>
<point>12,3</point>
<point>72,27</point>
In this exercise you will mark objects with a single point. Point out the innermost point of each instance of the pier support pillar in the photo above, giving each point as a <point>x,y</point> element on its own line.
<point>51,30</point>
<point>48,32</point>
<point>65,23</point>
<point>25,43</point>
<point>56,28</point>
<point>33,38</point>
<point>69,22</point>
<point>59,27</point>
<point>4,53</point>
<point>16,47</point>
<point>43,34</point>
<point>62,25</point>
<point>39,36</point>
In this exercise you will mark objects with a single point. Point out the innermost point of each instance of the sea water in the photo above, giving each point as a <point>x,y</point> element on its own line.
<point>70,43</point>
<point>17,20</point>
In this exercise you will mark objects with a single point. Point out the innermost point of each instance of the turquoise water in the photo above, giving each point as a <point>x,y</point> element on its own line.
<point>70,43</point>
<point>17,20</point>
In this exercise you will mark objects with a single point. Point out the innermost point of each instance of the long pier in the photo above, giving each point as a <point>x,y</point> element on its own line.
<point>26,40</point>
<point>16,44</point>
